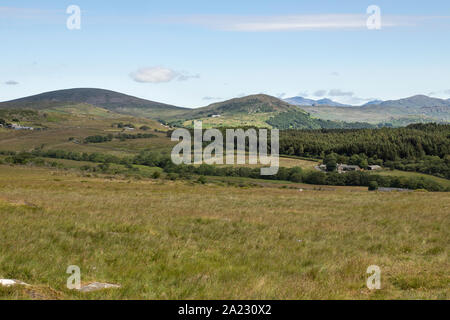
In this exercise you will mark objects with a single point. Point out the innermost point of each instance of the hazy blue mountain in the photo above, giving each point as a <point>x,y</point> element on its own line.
<point>418,101</point>
<point>419,108</point>
<point>329,102</point>
<point>300,101</point>
<point>372,102</point>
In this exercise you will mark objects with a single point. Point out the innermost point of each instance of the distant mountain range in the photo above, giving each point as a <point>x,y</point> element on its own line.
<point>418,101</point>
<point>419,108</point>
<point>300,101</point>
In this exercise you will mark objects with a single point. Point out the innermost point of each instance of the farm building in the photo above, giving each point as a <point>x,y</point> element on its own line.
<point>20,127</point>
<point>347,167</point>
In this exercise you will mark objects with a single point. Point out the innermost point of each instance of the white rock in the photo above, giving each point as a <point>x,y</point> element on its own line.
<point>11,282</point>
<point>98,286</point>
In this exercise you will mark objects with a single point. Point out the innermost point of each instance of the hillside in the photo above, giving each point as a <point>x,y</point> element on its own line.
<point>252,104</point>
<point>110,100</point>
<point>255,110</point>
<point>400,112</point>
<point>260,111</point>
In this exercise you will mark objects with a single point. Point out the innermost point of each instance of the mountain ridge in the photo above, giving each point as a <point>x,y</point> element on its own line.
<point>416,101</point>
<point>107,99</point>
<point>418,108</point>
<point>301,101</point>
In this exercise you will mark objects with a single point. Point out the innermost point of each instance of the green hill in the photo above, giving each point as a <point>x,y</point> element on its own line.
<point>253,104</point>
<point>261,111</point>
<point>110,100</point>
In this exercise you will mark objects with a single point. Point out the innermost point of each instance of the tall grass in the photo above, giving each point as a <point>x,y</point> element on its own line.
<point>180,240</point>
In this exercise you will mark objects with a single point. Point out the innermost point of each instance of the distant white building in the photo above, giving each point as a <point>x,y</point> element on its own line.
<point>216,116</point>
<point>347,167</point>
<point>20,127</point>
<point>374,167</point>
<point>321,167</point>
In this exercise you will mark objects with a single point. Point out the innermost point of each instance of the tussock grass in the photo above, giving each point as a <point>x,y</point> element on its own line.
<point>179,240</point>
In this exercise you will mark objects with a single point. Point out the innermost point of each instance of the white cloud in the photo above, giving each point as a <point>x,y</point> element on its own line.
<point>187,76</point>
<point>303,94</point>
<point>160,75</point>
<point>339,93</point>
<point>11,83</point>
<point>335,74</point>
<point>320,93</point>
<point>208,98</point>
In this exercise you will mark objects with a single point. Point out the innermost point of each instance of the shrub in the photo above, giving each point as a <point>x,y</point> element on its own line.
<point>173,176</point>
<point>156,175</point>
<point>373,185</point>
<point>201,180</point>
<point>316,177</point>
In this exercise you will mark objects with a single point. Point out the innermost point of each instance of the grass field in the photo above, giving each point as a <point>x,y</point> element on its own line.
<point>79,122</point>
<point>161,239</point>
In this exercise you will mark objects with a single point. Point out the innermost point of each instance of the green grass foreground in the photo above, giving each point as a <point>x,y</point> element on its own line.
<point>165,239</point>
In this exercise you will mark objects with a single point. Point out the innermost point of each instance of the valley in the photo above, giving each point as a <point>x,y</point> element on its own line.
<point>93,185</point>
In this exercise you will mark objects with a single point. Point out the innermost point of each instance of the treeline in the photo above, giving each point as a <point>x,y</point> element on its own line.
<point>420,147</point>
<point>295,174</point>
<point>301,120</point>
<point>120,136</point>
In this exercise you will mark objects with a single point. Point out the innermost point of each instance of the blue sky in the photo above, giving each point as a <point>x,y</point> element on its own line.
<point>193,53</point>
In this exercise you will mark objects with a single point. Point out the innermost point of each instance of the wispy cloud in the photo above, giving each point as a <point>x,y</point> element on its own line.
<point>320,93</point>
<point>11,83</point>
<point>15,13</point>
<point>208,98</point>
<point>303,94</point>
<point>341,96</point>
<point>340,93</point>
<point>159,75</point>
<point>299,22</point>
<point>243,23</point>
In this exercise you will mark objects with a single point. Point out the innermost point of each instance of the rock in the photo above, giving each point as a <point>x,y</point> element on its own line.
<point>95,286</point>
<point>12,282</point>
